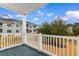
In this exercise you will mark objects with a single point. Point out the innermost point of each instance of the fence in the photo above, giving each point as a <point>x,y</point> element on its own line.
<point>10,40</point>
<point>54,45</point>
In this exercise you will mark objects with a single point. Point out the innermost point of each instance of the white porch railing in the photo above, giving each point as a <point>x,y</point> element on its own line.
<point>10,40</point>
<point>33,40</point>
<point>54,45</point>
<point>50,44</point>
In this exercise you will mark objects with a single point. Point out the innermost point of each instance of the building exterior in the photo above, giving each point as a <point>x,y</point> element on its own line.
<point>31,27</point>
<point>70,28</point>
<point>8,25</point>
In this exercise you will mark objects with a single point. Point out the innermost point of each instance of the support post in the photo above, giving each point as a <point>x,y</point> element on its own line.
<point>40,41</point>
<point>24,34</point>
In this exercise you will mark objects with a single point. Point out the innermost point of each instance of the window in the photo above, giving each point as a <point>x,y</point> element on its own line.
<point>27,25</point>
<point>34,26</point>
<point>0,24</point>
<point>17,25</point>
<point>0,30</point>
<point>17,31</point>
<point>9,25</point>
<point>28,30</point>
<point>34,30</point>
<point>8,31</point>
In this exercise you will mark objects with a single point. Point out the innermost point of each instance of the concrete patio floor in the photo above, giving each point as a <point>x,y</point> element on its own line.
<point>22,50</point>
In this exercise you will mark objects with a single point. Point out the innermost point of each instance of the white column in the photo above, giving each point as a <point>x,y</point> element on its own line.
<point>24,36</point>
<point>40,41</point>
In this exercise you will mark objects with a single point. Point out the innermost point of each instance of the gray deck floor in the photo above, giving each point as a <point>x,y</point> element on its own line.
<point>22,50</point>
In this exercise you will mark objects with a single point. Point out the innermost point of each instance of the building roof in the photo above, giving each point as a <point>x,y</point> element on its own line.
<point>32,23</point>
<point>70,25</point>
<point>11,19</point>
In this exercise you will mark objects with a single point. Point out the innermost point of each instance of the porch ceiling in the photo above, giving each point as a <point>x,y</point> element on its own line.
<point>22,8</point>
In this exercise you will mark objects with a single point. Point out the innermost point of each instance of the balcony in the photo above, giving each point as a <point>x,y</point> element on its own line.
<point>35,44</point>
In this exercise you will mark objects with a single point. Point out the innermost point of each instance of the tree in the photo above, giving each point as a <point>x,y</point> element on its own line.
<point>76,29</point>
<point>45,28</point>
<point>58,27</point>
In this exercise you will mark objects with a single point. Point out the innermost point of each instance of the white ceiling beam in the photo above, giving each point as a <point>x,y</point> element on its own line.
<point>22,8</point>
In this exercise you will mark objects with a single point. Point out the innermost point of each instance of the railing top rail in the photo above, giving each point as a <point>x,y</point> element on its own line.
<point>32,34</point>
<point>58,36</point>
<point>10,33</point>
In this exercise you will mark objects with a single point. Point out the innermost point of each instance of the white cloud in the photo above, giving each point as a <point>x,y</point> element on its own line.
<point>64,18</point>
<point>17,15</point>
<point>36,19</point>
<point>49,14</point>
<point>72,14</point>
<point>61,17</point>
<point>40,12</point>
<point>55,17</point>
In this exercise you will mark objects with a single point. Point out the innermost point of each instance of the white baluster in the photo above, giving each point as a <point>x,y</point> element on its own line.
<point>67,46</point>
<point>53,45</point>
<point>63,45</point>
<point>78,46</point>
<point>72,47</point>
<point>60,45</point>
<point>56,45</point>
<point>48,42</point>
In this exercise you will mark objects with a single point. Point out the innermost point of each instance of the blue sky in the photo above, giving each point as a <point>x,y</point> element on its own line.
<point>68,12</point>
<point>11,14</point>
